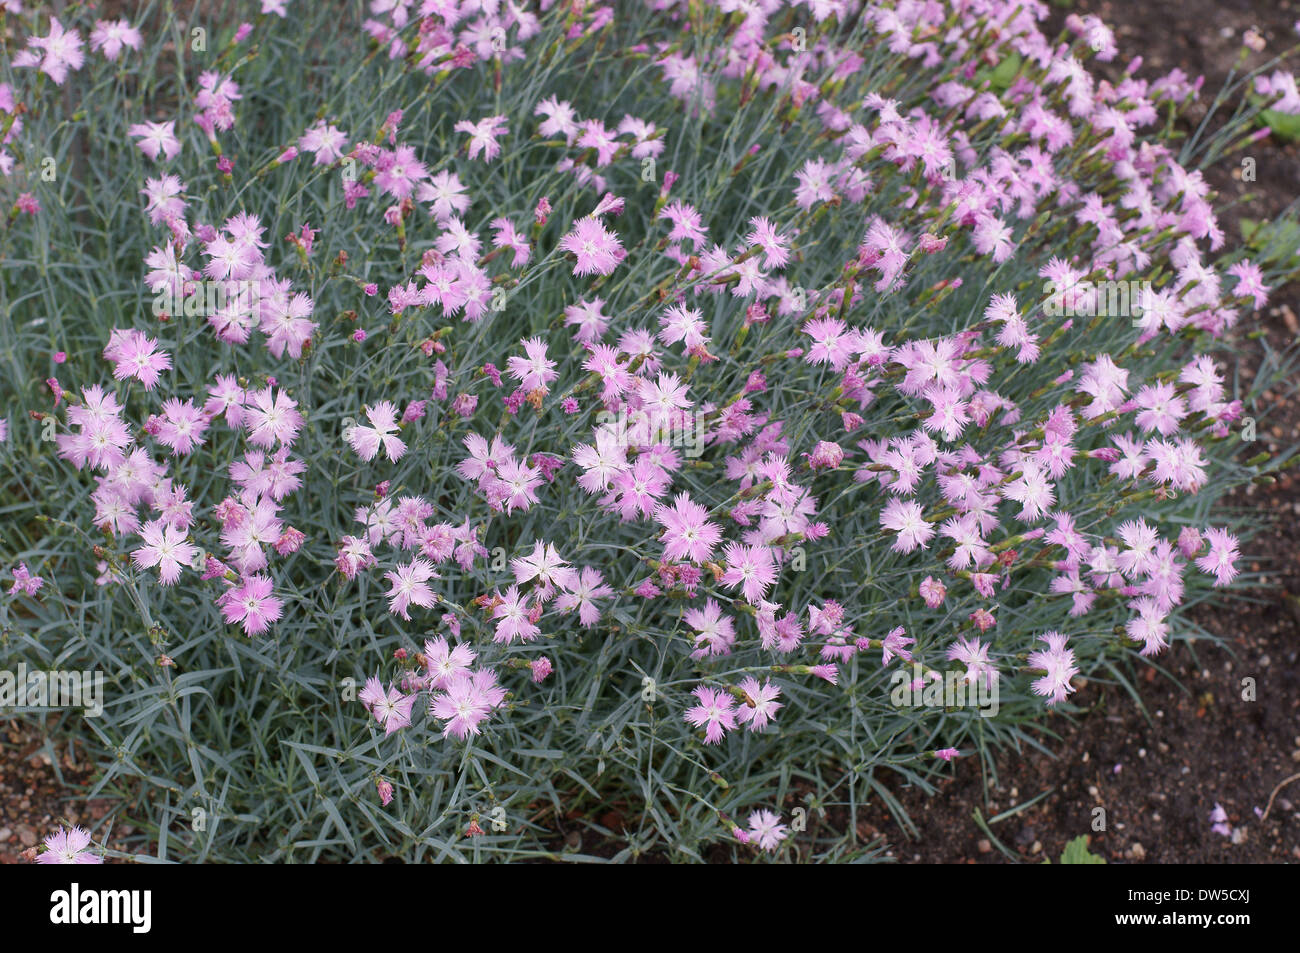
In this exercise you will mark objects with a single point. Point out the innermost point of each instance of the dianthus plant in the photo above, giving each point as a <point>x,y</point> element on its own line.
<point>453,425</point>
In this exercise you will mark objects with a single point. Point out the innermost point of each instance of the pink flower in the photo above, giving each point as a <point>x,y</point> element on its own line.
<point>409,586</point>
<point>156,138</point>
<point>542,211</point>
<point>324,141</point>
<point>933,592</point>
<point>112,36</point>
<point>765,704</point>
<point>993,237</point>
<point>1140,542</point>
<point>687,326</point>
<point>687,532</point>
<point>215,99</point>
<point>484,459</point>
<point>1250,283</point>
<point>275,477</point>
<point>271,418</point>
<point>826,456</point>
<point>290,541</point>
<point>560,118</point>
<point>466,703</point>
<point>534,372</point>
<point>1057,664</point>
<point>251,604</point>
<point>1160,408</point>
<point>446,195</point>
<point>715,632</point>
<point>483,136</point>
<point>182,426</point>
<point>775,246</point>
<point>895,643</point>
<point>715,713</point>
<point>589,587</point>
<point>1032,490</point>
<point>62,52</point>
<point>814,184</point>
<point>541,668</point>
<point>1189,541</point>
<point>645,134</point>
<point>133,354</point>
<point>504,235</point>
<point>353,192</point>
<point>444,662</point>
<point>371,693</point>
<point>1149,627</point>
<point>975,656</point>
<point>353,555</point>
<point>286,322</point>
<point>513,619</point>
<point>831,343</point>
<point>598,250</point>
<point>596,136</point>
<point>165,547</point>
<point>950,413</point>
<point>1220,559</point>
<point>750,567</point>
<point>24,581</point>
<point>546,567</point>
<point>907,519</point>
<point>686,222</point>
<point>828,673</point>
<point>587,317</point>
<point>766,830</point>
<point>391,709</point>
<point>398,172</point>
<point>68,847</point>
<point>367,441</point>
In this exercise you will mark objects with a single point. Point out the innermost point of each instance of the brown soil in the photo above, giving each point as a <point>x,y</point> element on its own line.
<point>35,798</point>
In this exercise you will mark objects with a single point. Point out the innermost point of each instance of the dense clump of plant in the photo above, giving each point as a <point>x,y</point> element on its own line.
<point>450,425</point>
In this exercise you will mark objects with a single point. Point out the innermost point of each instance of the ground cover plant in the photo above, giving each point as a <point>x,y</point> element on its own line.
<point>468,431</point>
